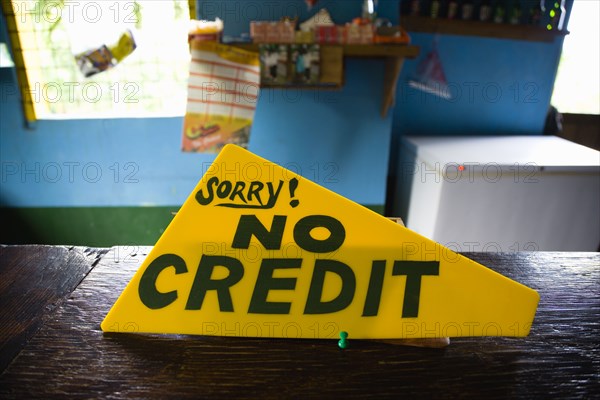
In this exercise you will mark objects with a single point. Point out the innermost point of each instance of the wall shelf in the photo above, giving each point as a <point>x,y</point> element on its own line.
<point>393,55</point>
<point>359,50</point>
<point>477,28</point>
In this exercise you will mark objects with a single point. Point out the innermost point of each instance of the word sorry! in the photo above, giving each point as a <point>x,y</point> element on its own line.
<point>271,239</point>
<point>242,194</point>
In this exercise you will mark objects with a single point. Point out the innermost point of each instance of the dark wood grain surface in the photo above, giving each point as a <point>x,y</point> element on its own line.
<point>34,281</point>
<point>69,356</point>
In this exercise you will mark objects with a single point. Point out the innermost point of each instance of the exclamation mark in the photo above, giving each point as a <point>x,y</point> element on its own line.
<point>293,187</point>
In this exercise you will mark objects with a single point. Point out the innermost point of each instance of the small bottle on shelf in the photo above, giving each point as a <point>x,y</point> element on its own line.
<point>499,13</point>
<point>515,13</point>
<point>415,8</point>
<point>434,10</point>
<point>368,11</point>
<point>536,12</point>
<point>452,9</point>
<point>467,10</point>
<point>485,11</point>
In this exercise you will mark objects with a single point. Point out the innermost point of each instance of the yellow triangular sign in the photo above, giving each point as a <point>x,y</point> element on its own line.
<point>257,250</point>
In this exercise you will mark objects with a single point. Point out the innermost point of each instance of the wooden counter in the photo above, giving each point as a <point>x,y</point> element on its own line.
<point>51,346</point>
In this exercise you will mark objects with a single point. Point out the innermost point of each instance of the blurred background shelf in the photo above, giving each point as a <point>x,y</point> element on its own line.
<point>359,50</point>
<point>477,28</point>
<point>393,55</point>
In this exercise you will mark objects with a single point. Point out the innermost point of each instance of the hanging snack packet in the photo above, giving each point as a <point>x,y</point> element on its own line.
<point>223,89</point>
<point>103,58</point>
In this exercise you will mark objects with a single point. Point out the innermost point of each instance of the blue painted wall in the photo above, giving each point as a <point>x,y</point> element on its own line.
<point>498,86</point>
<point>336,138</point>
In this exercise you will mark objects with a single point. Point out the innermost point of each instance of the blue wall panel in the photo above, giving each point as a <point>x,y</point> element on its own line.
<point>498,86</point>
<point>336,138</point>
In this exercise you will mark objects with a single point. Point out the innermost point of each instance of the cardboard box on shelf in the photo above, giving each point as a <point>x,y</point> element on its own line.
<point>272,32</point>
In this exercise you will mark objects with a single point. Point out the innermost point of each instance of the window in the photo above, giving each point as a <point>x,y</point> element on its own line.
<point>149,82</point>
<point>577,88</point>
